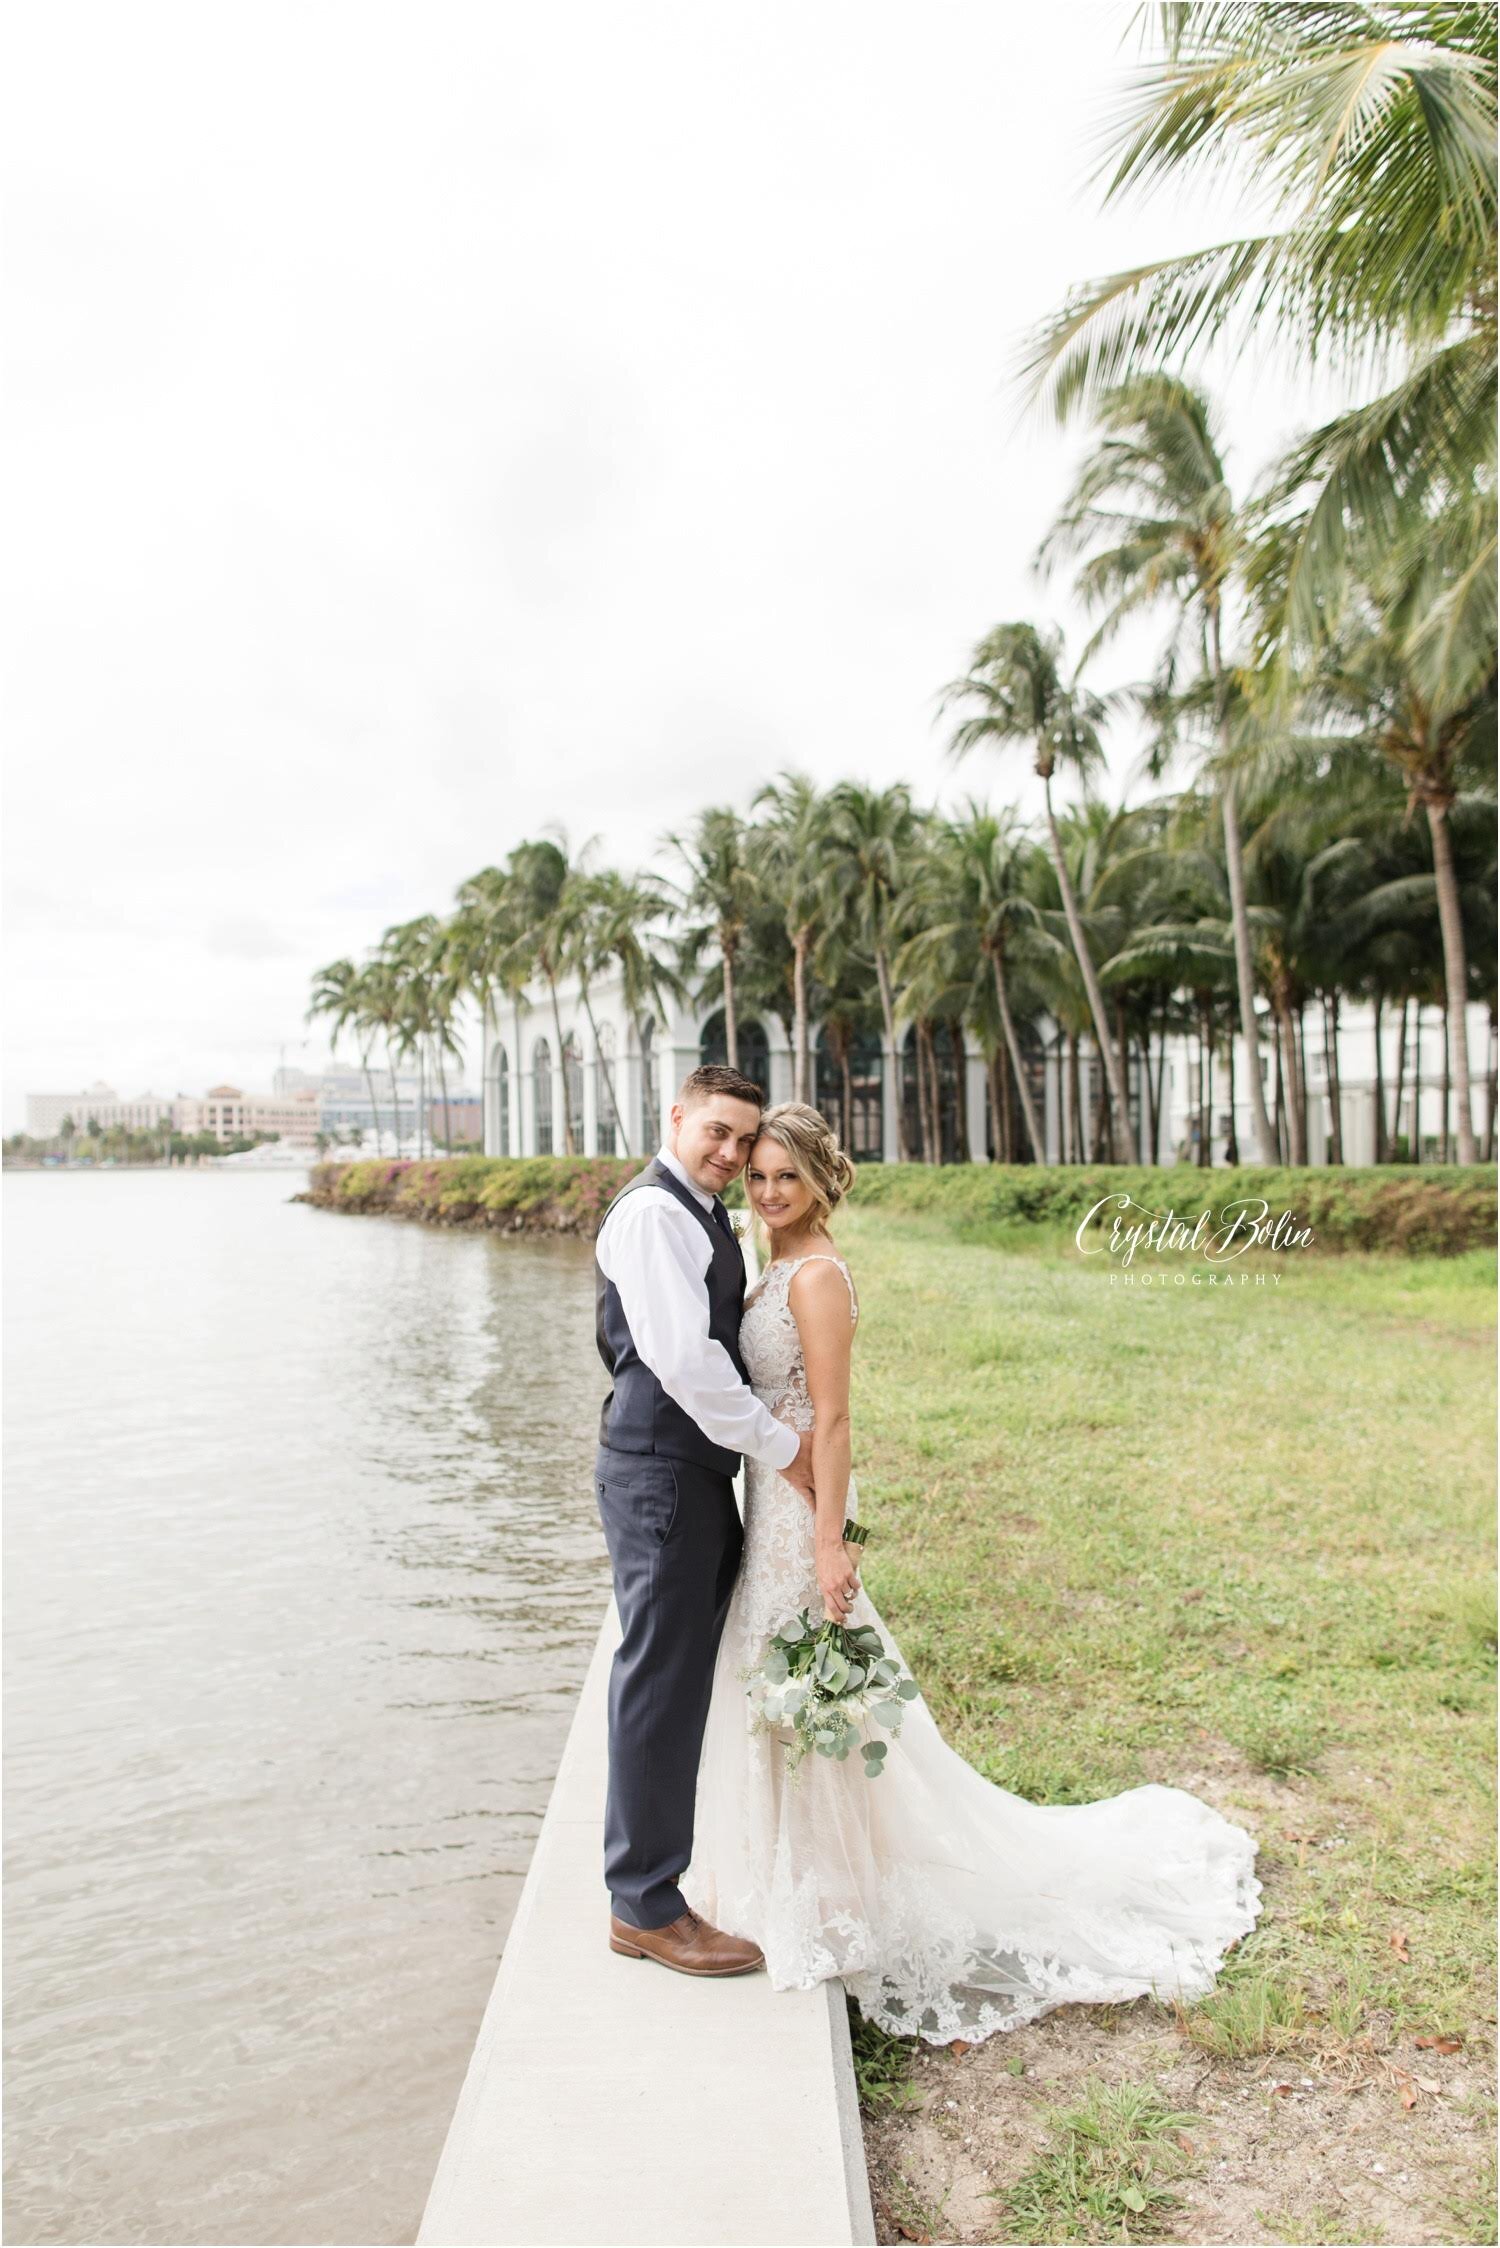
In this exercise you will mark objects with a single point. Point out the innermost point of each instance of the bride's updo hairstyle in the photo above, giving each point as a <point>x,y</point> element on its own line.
<point>818,1160</point>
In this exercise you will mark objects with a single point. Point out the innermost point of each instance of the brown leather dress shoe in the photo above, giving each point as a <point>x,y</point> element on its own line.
<point>692,1945</point>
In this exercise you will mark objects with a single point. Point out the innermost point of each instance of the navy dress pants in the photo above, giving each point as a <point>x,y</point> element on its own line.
<point>674,1537</point>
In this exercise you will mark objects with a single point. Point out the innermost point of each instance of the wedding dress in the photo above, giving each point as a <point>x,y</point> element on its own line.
<point>949,1907</point>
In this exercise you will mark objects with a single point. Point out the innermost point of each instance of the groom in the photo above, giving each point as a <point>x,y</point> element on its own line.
<point>669,1286</point>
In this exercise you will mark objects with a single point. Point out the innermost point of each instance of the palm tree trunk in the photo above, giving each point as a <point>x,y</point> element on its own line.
<point>437,1055</point>
<point>1122,1038</point>
<point>1075,1105</point>
<point>562,1058</point>
<point>934,1090</point>
<point>1205,1086</point>
<point>1244,972</point>
<point>1097,1108</point>
<point>1331,1073</point>
<point>1232,1144</point>
<point>1280,1092</point>
<point>1013,1048</point>
<point>1490,1090</point>
<point>999,1136</point>
<point>1400,1084</point>
<point>364,1063</point>
<point>924,1110</point>
<point>1379,1084</point>
<point>1107,1054</point>
<point>646,1051</point>
<point>1161,1061</point>
<point>961,1065</point>
<point>846,1096</point>
<point>390,1063</point>
<point>799,1015</point>
<point>1299,1060</point>
<point>1415,1139</point>
<point>605,1072</point>
<point>1443,1136</point>
<point>898,1058</point>
<point>731,1019</point>
<point>1153,1128</point>
<point>1455,973</point>
<point>1287,1080</point>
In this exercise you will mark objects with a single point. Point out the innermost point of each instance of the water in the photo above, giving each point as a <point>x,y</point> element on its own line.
<point>303,1574</point>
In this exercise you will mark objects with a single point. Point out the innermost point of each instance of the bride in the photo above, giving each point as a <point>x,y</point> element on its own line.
<point>949,1907</point>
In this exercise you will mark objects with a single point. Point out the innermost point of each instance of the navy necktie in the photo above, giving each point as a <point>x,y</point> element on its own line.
<point>722,1220</point>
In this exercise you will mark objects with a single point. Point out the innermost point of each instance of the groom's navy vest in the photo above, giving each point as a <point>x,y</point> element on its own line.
<point>638,1414</point>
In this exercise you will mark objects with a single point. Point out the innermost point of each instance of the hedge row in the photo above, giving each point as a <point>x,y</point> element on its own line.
<point>1435,1209</point>
<point>530,1194</point>
<point>1432,1209</point>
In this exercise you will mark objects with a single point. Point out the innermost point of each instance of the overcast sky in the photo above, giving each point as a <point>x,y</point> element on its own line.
<point>427,423</point>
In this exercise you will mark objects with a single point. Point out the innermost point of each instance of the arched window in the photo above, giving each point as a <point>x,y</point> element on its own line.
<point>851,1089</point>
<point>932,1092</point>
<point>754,1050</point>
<point>606,1093</point>
<point>541,1071</point>
<point>573,1088</point>
<point>650,1090</point>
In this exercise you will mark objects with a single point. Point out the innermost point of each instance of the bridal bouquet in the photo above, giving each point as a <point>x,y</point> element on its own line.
<point>823,1681</point>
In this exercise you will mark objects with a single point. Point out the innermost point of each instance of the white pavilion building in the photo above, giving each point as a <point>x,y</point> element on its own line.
<point>616,1083</point>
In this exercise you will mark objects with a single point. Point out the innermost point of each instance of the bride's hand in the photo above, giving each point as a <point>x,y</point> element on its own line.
<point>800,1473</point>
<point>838,1581</point>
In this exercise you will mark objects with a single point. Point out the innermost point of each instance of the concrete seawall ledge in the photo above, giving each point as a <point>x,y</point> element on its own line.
<point>610,2101</point>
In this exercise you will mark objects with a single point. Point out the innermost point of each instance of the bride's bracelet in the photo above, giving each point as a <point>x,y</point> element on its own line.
<point>855,1533</point>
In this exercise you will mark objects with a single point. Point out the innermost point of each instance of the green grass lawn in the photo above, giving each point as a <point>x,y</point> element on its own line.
<point>1130,1534</point>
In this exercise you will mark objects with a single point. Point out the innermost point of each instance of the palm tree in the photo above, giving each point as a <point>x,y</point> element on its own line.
<point>1153,503</point>
<point>382,1004</point>
<point>1434,727</point>
<point>791,849</point>
<point>429,977</point>
<point>872,834</point>
<point>975,887</point>
<point>546,883</point>
<point>336,994</point>
<point>1375,128</point>
<point>628,915</point>
<point>488,956</point>
<point>1015,676</point>
<point>588,948</point>
<point>718,900</point>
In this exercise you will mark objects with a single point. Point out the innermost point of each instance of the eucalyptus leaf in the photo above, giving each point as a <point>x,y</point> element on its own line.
<point>908,1689</point>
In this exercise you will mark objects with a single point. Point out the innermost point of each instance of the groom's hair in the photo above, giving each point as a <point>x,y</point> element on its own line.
<point>702,1084</point>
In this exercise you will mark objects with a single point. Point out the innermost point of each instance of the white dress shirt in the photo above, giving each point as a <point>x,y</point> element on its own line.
<point>658,1258</point>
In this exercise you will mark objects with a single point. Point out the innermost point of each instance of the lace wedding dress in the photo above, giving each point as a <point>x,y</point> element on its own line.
<point>949,1907</point>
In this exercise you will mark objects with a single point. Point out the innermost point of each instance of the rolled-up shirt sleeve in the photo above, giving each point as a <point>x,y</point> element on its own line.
<point>657,1256</point>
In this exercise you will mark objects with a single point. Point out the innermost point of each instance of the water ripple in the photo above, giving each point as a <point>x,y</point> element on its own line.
<point>303,1571</point>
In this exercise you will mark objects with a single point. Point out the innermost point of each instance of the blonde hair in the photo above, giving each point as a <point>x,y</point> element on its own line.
<point>818,1160</point>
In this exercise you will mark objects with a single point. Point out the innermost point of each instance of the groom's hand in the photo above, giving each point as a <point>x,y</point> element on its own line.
<point>800,1472</point>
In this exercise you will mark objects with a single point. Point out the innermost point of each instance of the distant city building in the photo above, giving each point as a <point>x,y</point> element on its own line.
<point>348,1107</point>
<point>465,1119</point>
<point>97,1104</point>
<point>231,1114</point>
